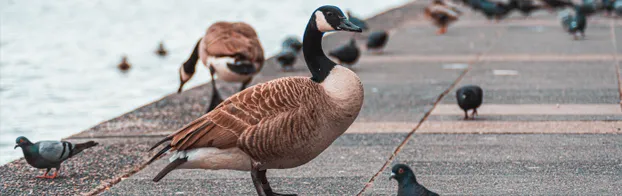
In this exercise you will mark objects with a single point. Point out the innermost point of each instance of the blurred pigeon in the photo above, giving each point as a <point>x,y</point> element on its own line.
<point>293,43</point>
<point>357,21</point>
<point>407,182</point>
<point>161,50</point>
<point>556,4</point>
<point>494,10</point>
<point>525,7</point>
<point>49,154</point>
<point>617,7</point>
<point>377,40</point>
<point>575,24</point>
<point>286,58</point>
<point>346,54</point>
<point>469,97</point>
<point>124,65</point>
<point>442,14</point>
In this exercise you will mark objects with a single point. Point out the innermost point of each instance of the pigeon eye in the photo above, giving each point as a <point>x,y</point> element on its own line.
<point>400,171</point>
<point>21,140</point>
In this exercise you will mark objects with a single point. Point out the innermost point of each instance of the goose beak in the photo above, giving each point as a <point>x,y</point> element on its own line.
<point>346,25</point>
<point>392,176</point>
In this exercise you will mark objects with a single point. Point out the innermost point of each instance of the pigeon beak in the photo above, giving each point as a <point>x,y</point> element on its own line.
<point>392,176</point>
<point>16,146</point>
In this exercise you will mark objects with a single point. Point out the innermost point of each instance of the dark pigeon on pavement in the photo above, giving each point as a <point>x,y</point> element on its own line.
<point>469,98</point>
<point>407,182</point>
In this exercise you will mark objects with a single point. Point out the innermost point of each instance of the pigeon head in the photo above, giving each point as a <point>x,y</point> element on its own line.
<point>22,141</point>
<point>401,172</point>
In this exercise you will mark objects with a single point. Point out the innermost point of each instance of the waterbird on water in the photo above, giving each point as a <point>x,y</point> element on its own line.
<point>124,65</point>
<point>49,154</point>
<point>280,124</point>
<point>230,50</point>
<point>161,51</point>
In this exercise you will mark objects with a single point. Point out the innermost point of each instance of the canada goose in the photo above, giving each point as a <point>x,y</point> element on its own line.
<point>293,43</point>
<point>347,54</point>
<point>161,50</point>
<point>230,50</point>
<point>286,58</point>
<point>442,15</point>
<point>377,40</point>
<point>283,123</point>
<point>469,97</point>
<point>124,65</point>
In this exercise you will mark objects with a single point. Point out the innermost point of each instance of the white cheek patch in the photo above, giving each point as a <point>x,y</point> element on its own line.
<point>220,62</point>
<point>321,22</point>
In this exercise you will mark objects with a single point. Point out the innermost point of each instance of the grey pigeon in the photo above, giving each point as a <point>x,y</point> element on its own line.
<point>469,97</point>
<point>286,58</point>
<point>357,21</point>
<point>347,54</point>
<point>292,42</point>
<point>377,40</point>
<point>49,154</point>
<point>407,183</point>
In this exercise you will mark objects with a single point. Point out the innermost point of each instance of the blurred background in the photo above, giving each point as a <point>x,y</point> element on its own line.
<point>58,59</point>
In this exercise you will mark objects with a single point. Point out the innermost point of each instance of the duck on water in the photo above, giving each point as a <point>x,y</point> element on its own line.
<point>280,124</point>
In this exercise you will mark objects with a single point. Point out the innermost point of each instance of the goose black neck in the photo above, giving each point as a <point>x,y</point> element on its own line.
<point>316,60</point>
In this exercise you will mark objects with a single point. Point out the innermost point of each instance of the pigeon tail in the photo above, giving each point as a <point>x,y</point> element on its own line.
<point>170,167</point>
<point>80,147</point>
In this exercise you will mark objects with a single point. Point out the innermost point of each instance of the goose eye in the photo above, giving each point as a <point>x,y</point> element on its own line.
<point>329,14</point>
<point>400,171</point>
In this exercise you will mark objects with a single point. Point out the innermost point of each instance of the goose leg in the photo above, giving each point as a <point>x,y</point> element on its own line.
<point>45,174</point>
<point>256,180</point>
<point>266,185</point>
<point>215,95</point>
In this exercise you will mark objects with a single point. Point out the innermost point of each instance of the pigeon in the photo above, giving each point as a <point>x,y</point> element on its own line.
<point>525,7</point>
<point>357,21</point>
<point>442,14</point>
<point>293,43</point>
<point>286,58</point>
<point>161,50</point>
<point>494,10</point>
<point>575,24</point>
<point>377,40</point>
<point>49,154</point>
<point>556,4</point>
<point>617,7</point>
<point>407,182</point>
<point>124,65</point>
<point>346,54</point>
<point>469,97</point>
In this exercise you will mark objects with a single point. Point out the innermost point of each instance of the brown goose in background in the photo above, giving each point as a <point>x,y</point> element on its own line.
<point>231,50</point>
<point>161,50</point>
<point>283,123</point>
<point>124,65</point>
<point>442,14</point>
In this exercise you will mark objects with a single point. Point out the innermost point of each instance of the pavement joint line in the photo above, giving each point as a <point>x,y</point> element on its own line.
<point>120,136</point>
<point>616,63</point>
<point>429,112</point>
<point>533,109</point>
<point>494,57</point>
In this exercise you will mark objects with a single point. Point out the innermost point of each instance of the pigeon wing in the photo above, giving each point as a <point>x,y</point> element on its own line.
<point>55,151</point>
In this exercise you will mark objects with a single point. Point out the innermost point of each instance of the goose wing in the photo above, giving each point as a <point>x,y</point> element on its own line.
<point>261,113</point>
<point>231,39</point>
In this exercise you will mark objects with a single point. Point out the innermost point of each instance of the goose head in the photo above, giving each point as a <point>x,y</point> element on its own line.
<point>324,19</point>
<point>330,18</point>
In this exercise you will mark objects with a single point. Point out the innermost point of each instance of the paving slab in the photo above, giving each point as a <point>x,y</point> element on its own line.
<point>508,164</point>
<point>331,173</point>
